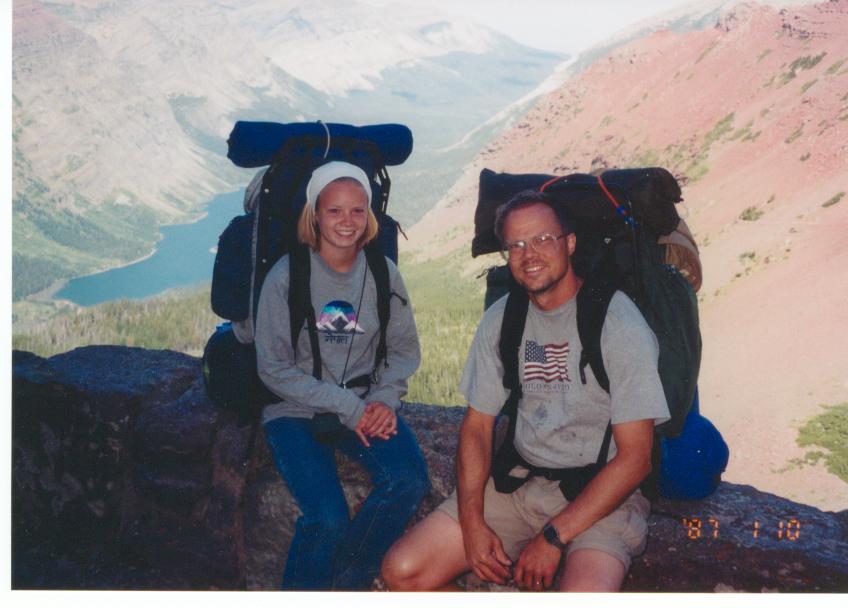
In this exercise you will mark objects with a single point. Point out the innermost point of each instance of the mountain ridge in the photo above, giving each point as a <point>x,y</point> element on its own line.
<point>751,115</point>
<point>124,109</point>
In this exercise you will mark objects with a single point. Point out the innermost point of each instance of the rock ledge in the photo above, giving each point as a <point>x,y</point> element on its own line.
<point>125,476</point>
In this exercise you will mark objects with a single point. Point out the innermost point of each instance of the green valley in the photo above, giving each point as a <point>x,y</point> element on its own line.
<point>447,308</point>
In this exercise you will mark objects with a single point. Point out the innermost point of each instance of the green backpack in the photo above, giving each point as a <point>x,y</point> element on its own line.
<point>618,218</point>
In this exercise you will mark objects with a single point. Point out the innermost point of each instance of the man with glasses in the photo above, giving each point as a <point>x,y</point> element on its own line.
<point>525,535</point>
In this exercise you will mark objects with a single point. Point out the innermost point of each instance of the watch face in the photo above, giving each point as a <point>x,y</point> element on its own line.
<point>552,536</point>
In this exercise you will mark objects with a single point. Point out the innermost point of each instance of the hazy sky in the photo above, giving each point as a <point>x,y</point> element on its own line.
<point>558,25</point>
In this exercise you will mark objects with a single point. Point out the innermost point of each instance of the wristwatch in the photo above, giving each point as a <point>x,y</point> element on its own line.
<point>552,536</point>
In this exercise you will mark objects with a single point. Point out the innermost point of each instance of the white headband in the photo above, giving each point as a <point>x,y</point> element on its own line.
<point>325,174</point>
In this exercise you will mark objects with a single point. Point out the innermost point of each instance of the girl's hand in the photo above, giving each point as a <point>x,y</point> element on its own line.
<point>380,420</point>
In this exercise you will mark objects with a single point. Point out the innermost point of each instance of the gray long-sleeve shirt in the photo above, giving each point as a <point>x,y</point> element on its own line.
<point>348,332</point>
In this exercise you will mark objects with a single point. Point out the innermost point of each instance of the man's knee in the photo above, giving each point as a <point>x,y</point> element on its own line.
<point>591,570</point>
<point>427,557</point>
<point>402,568</point>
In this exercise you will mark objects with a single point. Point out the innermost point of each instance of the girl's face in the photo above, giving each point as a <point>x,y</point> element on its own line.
<point>342,215</point>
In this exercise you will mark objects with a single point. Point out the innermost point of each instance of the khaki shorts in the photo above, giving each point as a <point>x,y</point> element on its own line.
<point>516,518</point>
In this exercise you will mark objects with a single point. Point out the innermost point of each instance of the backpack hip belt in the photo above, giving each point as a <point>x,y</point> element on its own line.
<point>572,480</point>
<point>590,319</point>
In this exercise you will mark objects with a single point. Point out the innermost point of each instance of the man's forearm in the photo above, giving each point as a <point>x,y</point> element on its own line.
<point>610,487</point>
<point>473,465</point>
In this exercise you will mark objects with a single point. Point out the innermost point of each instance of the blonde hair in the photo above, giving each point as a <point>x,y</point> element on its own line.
<point>309,234</point>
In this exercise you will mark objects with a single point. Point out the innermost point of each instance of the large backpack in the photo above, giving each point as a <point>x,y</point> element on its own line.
<point>253,242</point>
<point>627,231</point>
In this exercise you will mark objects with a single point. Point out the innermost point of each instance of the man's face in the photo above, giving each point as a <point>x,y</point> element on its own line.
<point>538,273</point>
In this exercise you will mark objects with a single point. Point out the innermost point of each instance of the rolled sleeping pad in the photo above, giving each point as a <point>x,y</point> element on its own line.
<point>254,144</point>
<point>652,192</point>
<point>496,189</point>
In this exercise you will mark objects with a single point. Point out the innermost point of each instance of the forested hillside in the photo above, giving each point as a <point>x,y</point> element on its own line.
<point>447,309</point>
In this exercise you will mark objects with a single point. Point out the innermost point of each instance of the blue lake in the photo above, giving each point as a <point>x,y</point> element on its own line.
<point>183,257</point>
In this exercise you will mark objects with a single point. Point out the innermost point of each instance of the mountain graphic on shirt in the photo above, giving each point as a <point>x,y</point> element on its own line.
<point>338,317</point>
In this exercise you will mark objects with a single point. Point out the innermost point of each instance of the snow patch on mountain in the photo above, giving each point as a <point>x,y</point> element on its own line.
<point>336,51</point>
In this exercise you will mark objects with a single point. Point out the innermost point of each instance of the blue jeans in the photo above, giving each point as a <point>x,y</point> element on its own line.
<point>329,550</point>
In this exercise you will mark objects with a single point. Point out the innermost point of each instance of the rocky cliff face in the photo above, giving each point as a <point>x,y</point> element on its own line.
<point>125,476</point>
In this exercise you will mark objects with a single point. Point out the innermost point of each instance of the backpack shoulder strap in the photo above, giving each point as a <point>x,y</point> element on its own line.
<point>380,269</point>
<point>512,328</point>
<point>277,203</point>
<point>509,345</point>
<point>593,301</point>
<point>300,303</point>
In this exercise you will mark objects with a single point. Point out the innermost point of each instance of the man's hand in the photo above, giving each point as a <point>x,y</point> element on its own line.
<point>537,564</point>
<point>378,420</point>
<point>485,553</point>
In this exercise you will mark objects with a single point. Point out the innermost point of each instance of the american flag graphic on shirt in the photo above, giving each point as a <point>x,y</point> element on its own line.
<point>546,363</point>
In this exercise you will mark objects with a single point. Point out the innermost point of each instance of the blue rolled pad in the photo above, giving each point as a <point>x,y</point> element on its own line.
<point>253,144</point>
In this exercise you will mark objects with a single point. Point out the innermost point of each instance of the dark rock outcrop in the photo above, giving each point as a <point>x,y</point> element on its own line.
<point>125,476</point>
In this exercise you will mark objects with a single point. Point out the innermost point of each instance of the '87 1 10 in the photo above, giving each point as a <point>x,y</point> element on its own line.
<point>703,528</point>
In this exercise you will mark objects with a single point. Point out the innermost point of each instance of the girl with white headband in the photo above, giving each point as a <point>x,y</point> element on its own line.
<point>329,550</point>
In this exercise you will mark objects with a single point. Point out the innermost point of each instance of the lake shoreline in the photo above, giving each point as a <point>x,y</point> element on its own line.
<point>50,294</point>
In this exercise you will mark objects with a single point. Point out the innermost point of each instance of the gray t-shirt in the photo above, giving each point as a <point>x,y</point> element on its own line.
<point>561,421</point>
<point>348,332</point>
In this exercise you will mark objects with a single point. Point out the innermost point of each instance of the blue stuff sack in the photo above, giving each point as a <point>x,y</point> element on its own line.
<point>692,462</point>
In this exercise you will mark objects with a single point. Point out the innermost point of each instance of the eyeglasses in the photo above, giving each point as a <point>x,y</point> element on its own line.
<point>541,243</point>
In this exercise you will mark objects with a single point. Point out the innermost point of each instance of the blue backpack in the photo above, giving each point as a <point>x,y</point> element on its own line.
<point>253,242</point>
